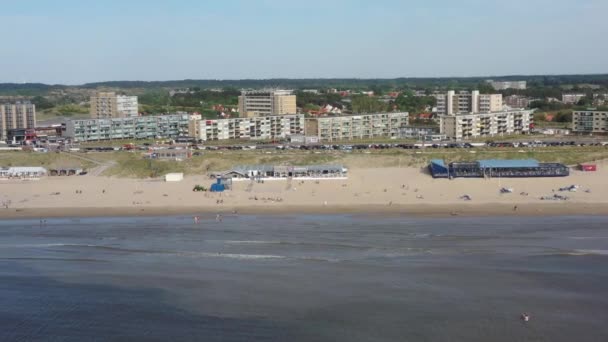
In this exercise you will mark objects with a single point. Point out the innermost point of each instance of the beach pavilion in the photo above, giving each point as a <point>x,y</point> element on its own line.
<point>284,172</point>
<point>488,168</point>
<point>23,172</point>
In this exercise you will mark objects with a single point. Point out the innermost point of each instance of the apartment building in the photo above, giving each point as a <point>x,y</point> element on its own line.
<point>105,105</point>
<point>451,102</point>
<point>590,121</point>
<point>16,115</point>
<point>600,99</point>
<point>363,126</point>
<point>572,98</point>
<point>266,102</point>
<point>254,128</point>
<point>518,101</point>
<point>140,127</point>
<point>502,85</point>
<point>489,103</point>
<point>468,126</point>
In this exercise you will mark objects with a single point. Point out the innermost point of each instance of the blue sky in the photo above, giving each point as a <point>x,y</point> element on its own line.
<point>77,41</point>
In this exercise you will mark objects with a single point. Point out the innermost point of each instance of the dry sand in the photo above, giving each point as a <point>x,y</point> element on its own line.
<point>367,190</point>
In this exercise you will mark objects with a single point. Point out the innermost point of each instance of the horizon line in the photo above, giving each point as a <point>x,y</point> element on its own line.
<point>306,78</point>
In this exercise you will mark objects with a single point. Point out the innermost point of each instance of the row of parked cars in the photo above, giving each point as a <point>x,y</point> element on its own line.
<point>346,147</point>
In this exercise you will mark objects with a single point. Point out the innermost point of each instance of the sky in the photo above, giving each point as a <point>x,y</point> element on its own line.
<point>77,41</point>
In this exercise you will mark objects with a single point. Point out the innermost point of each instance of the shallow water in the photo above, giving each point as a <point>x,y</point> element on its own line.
<point>304,278</point>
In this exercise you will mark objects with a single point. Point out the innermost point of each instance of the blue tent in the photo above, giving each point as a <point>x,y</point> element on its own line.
<point>218,186</point>
<point>438,169</point>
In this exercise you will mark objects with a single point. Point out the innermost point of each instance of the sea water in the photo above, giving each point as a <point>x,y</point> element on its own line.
<point>304,278</point>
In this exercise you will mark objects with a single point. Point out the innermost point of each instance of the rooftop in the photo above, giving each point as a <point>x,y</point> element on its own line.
<point>504,163</point>
<point>245,169</point>
<point>438,162</point>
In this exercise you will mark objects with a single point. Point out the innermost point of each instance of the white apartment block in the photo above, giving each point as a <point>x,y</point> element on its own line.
<point>502,85</point>
<point>254,128</point>
<point>590,121</point>
<point>363,126</point>
<point>452,102</point>
<point>16,115</point>
<point>107,105</point>
<point>266,102</point>
<point>127,106</point>
<point>572,98</point>
<point>141,127</point>
<point>468,126</point>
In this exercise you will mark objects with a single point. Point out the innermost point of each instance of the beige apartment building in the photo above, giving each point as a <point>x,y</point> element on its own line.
<point>16,115</point>
<point>590,121</point>
<point>361,126</point>
<point>451,102</point>
<point>266,102</point>
<point>254,128</point>
<point>107,105</point>
<point>476,125</point>
<point>518,101</point>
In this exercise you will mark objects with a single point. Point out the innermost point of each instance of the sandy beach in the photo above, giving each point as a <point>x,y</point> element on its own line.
<point>367,190</point>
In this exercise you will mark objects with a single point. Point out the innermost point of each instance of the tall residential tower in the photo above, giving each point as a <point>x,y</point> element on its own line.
<point>451,102</point>
<point>16,115</point>
<point>266,102</point>
<point>106,105</point>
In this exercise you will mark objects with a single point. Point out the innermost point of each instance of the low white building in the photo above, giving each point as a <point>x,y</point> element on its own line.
<point>502,85</point>
<point>23,172</point>
<point>469,126</point>
<point>285,172</point>
<point>302,139</point>
<point>174,177</point>
<point>572,98</point>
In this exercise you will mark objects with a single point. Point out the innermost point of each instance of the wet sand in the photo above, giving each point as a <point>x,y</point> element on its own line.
<point>422,210</point>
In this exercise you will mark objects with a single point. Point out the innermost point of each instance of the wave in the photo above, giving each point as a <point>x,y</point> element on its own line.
<point>589,252</point>
<point>318,258</point>
<point>52,259</point>
<point>252,242</point>
<point>80,245</point>
<point>296,243</point>
<point>582,252</point>
<point>372,253</point>
<point>161,252</point>
<point>230,255</point>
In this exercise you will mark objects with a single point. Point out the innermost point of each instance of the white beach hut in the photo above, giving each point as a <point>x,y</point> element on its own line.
<point>174,177</point>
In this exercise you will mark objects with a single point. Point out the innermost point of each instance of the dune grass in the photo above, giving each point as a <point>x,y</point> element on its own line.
<point>47,160</point>
<point>133,165</point>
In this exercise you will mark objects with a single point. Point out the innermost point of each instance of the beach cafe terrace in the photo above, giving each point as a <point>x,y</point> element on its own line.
<point>497,168</point>
<point>284,172</point>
